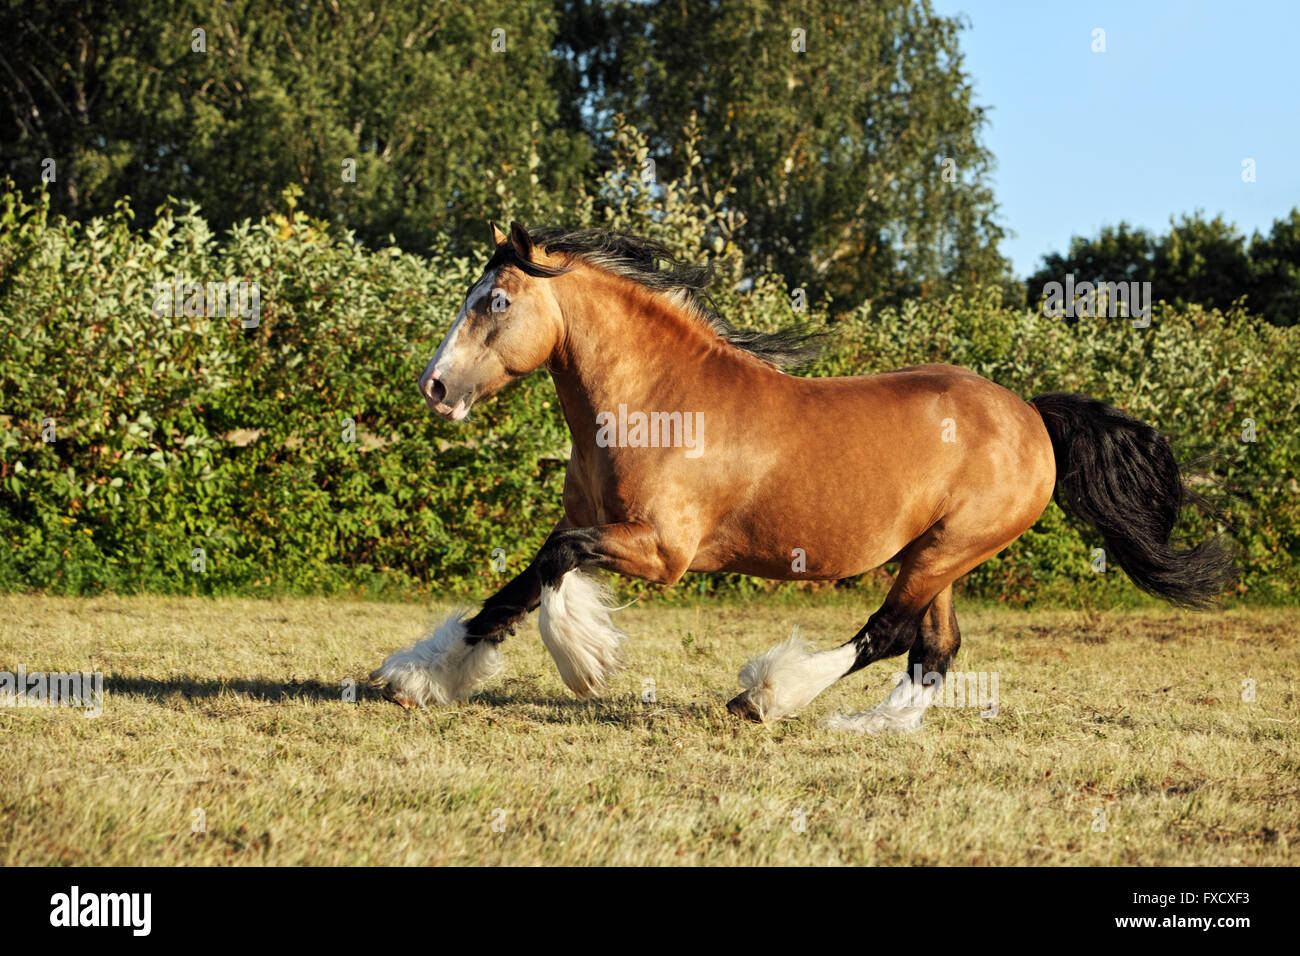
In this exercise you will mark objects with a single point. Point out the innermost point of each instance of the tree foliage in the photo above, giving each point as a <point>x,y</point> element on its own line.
<point>1203,261</point>
<point>133,443</point>
<point>440,109</point>
<point>847,133</point>
<point>848,154</point>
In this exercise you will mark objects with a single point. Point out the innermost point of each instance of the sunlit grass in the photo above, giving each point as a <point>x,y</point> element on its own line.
<point>1129,720</point>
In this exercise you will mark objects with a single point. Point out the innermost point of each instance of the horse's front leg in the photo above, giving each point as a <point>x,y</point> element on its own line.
<point>575,618</point>
<point>575,607</point>
<point>452,662</point>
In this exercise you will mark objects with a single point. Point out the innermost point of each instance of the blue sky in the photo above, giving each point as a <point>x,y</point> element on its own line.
<point>1158,125</point>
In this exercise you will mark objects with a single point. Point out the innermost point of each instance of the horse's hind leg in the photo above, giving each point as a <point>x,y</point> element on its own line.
<point>918,616</point>
<point>939,639</point>
<point>936,644</point>
<point>788,677</point>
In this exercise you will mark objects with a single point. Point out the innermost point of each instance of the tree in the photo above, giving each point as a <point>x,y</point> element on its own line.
<point>1119,254</point>
<point>849,132</point>
<point>844,138</point>
<point>1199,260</point>
<point>1202,261</point>
<point>1275,268</point>
<point>403,118</point>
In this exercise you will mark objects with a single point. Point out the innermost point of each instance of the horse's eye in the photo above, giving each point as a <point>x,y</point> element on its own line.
<point>498,300</point>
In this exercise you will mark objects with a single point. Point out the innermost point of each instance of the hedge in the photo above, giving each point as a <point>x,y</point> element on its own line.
<point>193,454</point>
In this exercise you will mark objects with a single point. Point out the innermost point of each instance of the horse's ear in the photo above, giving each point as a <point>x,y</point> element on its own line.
<point>522,242</point>
<point>498,236</point>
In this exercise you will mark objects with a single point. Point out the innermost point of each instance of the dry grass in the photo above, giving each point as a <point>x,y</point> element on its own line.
<point>235,708</point>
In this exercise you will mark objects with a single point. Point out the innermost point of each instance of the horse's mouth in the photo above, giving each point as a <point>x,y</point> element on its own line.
<point>453,413</point>
<point>436,398</point>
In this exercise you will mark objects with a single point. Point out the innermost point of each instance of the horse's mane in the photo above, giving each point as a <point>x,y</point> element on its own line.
<point>639,259</point>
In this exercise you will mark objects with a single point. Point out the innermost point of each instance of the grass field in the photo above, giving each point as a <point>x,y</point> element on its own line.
<point>1120,738</point>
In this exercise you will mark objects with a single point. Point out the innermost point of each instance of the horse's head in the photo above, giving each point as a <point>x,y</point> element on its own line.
<point>509,326</point>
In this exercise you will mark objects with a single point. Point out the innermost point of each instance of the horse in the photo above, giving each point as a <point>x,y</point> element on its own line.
<point>695,449</point>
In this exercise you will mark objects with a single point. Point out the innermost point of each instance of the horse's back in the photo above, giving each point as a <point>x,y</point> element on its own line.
<point>904,387</point>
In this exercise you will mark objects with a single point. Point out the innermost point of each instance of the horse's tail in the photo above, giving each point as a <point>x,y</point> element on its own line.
<point>1118,474</point>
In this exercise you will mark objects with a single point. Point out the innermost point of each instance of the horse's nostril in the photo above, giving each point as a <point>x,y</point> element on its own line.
<point>438,392</point>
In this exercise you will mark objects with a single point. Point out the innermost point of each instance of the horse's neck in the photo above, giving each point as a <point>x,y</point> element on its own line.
<point>623,346</point>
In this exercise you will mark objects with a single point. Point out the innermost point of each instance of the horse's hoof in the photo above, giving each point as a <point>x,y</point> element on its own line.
<point>397,697</point>
<point>741,706</point>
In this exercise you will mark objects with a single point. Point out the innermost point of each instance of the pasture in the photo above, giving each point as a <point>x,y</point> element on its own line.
<point>1121,738</point>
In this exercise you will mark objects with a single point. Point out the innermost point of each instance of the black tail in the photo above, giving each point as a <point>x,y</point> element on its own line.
<point>1119,475</point>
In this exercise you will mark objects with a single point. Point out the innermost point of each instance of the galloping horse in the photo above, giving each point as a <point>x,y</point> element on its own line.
<point>694,451</point>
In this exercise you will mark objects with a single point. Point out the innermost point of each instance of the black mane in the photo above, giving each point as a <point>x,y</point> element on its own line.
<point>649,264</point>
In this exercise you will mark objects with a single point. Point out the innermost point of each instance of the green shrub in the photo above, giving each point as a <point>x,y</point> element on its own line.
<point>177,433</point>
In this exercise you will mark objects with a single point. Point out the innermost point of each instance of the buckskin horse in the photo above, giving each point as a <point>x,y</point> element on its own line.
<point>933,467</point>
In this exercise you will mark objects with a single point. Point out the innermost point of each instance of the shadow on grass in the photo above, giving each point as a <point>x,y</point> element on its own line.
<point>202,688</point>
<point>624,710</point>
<point>522,702</point>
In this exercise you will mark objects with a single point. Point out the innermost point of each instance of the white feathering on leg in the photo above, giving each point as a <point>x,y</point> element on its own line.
<point>791,674</point>
<point>900,712</point>
<point>579,633</point>
<point>441,668</point>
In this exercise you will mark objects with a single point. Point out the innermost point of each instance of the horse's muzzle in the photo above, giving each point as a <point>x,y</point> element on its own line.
<point>435,394</point>
<point>434,390</point>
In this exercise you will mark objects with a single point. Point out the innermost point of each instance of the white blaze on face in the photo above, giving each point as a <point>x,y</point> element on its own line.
<point>442,359</point>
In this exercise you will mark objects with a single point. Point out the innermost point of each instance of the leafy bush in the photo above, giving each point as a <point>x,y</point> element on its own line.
<point>174,433</point>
